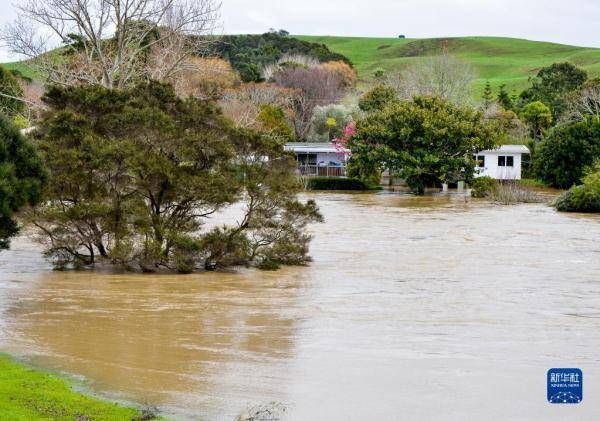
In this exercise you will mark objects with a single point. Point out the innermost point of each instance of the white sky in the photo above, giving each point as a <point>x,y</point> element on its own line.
<point>575,22</point>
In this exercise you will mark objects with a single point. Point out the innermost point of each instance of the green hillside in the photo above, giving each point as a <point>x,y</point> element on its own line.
<point>499,60</point>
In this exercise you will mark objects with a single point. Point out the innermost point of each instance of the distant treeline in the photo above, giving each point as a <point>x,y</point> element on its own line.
<point>248,54</point>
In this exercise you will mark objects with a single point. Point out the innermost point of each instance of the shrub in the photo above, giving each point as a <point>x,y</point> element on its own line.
<point>583,198</point>
<point>336,183</point>
<point>377,98</point>
<point>483,186</point>
<point>512,193</point>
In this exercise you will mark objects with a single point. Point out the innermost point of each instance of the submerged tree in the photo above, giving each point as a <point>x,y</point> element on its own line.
<point>135,173</point>
<point>21,178</point>
<point>426,141</point>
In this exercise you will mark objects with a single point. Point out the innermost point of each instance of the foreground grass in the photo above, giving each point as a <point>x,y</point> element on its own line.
<point>27,394</point>
<point>500,60</point>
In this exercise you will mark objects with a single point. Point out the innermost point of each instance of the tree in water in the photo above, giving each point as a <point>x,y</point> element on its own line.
<point>21,178</point>
<point>135,173</point>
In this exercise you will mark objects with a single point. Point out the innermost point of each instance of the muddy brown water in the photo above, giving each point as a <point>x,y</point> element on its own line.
<point>414,308</point>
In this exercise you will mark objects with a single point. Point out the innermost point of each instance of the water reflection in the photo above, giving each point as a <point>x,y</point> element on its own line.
<point>418,308</point>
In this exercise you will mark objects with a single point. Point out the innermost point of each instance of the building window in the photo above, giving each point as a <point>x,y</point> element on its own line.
<point>506,161</point>
<point>307,159</point>
<point>480,161</point>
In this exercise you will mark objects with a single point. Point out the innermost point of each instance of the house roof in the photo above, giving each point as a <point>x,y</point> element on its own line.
<point>514,149</point>
<point>307,147</point>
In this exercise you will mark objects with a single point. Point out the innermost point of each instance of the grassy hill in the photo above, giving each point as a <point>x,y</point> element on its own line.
<point>499,60</point>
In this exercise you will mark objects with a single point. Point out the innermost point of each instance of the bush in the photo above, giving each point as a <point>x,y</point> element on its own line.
<point>483,186</point>
<point>560,160</point>
<point>512,193</point>
<point>336,183</point>
<point>377,98</point>
<point>584,198</point>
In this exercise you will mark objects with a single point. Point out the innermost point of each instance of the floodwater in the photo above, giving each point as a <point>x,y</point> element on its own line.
<point>413,309</point>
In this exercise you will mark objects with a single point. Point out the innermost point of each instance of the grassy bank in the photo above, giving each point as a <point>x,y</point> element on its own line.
<point>500,60</point>
<point>27,394</point>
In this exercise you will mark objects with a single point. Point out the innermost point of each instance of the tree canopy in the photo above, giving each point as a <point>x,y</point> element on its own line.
<point>562,158</point>
<point>426,141</point>
<point>552,86</point>
<point>248,54</point>
<point>21,178</point>
<point>135,173</point>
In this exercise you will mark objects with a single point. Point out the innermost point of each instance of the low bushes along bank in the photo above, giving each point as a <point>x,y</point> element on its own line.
<point>506,193</point>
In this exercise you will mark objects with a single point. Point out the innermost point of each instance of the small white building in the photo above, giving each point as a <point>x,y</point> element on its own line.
<point>322,159</point>
<point>503,163</point>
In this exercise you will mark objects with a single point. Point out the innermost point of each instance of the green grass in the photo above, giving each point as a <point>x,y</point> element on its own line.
<point>498,60</point>
<point>21,67</point>
<point>27,394</point>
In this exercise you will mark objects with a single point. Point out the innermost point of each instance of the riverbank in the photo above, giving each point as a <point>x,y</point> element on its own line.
<point>27,394</point>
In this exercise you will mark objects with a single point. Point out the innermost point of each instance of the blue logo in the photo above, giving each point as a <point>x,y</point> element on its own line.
<point>565,385</point>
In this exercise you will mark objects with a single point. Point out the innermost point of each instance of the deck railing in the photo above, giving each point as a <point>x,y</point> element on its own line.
<point>322,170</point>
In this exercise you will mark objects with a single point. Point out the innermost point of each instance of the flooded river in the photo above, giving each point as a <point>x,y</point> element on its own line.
<point>413,309</point>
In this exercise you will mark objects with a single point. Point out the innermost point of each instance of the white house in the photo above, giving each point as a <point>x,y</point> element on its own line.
<point>503,163</point>
<point>323,159</point>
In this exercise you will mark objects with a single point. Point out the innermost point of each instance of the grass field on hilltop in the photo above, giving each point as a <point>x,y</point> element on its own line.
<point>507,61</point>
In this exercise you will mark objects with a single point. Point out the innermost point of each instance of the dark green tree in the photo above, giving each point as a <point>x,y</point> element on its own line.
<point>488,96</point>
<point>553,86</point>
<point>427,141</point>
<point>21,178</point>
<point>504,98</point>
<point>134,174</point>
<point>377,98</point>
<point>563,157</point>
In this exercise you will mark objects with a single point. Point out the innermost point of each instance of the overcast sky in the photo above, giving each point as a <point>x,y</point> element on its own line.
<point>575,22</point>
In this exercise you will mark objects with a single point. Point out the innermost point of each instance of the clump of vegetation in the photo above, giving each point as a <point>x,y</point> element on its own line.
<point>134,173</point>
<point>336,183</point>
<point>22,177</point>
<point>426,141</point>
<point>561,159</point>
<point>377,98</point>
<point>329,121</point>
<point>249,54</point>
<point>552,87</point>
<point>583,198</point>
<point>483,186</point>
<point>510,193</point>
<point>27,394</point>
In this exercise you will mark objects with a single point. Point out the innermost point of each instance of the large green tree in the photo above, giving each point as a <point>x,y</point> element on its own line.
<point>426,141</point>
<point>135,173</point>
<point>563,157</point>
<point>553,86</point>
<point>21,178</point>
